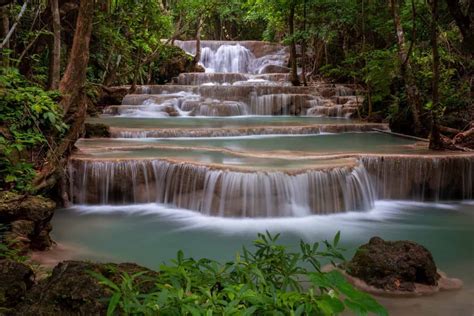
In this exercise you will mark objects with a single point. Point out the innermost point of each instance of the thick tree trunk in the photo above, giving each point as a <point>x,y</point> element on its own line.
<point>293,62</point>
<point>413,95</point>
<point>74,102</point>
<point>435,136</point>
<point>55,58</point>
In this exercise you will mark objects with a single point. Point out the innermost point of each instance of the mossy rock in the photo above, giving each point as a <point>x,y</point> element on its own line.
<point>27,220</point>
<point>393,265</point>
<point>15,280</point>
<point>73,290</point>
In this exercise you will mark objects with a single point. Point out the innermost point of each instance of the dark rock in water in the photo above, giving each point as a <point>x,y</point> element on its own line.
<point>27,219</point>
<point>72,290</point>
<point>393,265</point>
<point>271,69</point>
<point>15,280</point>
<point>96,130</point>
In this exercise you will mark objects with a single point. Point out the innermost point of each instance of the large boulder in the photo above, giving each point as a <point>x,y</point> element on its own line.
<point>393,265</point>
<point>15,280</point>
<point>73,290</point>
<point>27,219</point>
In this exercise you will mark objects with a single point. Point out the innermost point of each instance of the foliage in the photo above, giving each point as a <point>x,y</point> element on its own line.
<point>127,35</point>
<point>269,280</point>
<point>27,113</point>
<point>8,251</point>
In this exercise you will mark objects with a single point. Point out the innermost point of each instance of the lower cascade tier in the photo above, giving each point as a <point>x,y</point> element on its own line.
<point>221,191</point>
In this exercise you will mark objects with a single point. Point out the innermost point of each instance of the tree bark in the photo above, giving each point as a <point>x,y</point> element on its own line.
<point>4,26</point>
<point>303,48</point>
<point>6,39</point>
<point>197,56</point>
<point>293,62</point>
<point>74,101</point>
<point>435,136</point>
<point>55,58</point>
<point>412,92</point>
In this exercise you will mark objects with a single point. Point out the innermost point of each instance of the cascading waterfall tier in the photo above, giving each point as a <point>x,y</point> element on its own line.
<point>421,178</point>
<point>243,131</point>
<point>222,192</point>
<point>238,57</point>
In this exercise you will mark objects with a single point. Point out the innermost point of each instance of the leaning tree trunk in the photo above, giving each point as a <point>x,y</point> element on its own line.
<point>55,59</point>
<point>291,24</point>
<point>413,95</point>
<point>4,25</point>
<point>74,100</point>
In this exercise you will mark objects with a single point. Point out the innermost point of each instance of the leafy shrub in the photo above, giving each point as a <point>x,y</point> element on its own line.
<point>27,114</point>
<point>269,280</point>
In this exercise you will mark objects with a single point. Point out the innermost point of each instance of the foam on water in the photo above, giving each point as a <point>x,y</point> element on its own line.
<point>382,212</point>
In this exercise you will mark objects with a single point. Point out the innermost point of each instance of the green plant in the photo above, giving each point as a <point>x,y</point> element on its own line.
<point>27,114</point>
<point>271,280</point>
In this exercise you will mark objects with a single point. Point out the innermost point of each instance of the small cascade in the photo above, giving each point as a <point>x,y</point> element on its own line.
<point>199,78</point>
<point>228,58</point>
<point>238,57</point>
<point>219,192</point>
<point>214,108</point>
<point>280,104</point>
<point>422,178</point>
<point>243,131</point>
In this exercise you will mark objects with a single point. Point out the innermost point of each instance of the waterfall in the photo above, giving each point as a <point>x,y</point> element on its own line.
<point>228,58</point>
<point>243,131</point>
<point>279,104</point>
<point>219,192</point>
<point>237,57</point>
<point>421,178</point>
<point>215,108</point>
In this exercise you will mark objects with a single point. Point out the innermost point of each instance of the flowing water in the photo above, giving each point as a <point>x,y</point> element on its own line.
<point>205,164</point>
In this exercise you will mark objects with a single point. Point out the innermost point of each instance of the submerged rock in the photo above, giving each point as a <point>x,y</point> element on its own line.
<point>96,130</point>
<point>15,280</point>
<point>393,265</point>
<point>72,290</point>
<point>270,69</point>
<point>27,219</point>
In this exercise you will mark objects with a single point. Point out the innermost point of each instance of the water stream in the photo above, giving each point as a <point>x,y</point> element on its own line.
<point>206,163</point>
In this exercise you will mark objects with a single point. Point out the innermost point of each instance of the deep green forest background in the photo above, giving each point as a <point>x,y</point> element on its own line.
<point>411,60</point>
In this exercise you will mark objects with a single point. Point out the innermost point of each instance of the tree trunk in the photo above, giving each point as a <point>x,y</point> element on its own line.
<point>464,21</point>
<point>197,56</point>
<point>74,101</point>
<point>4,26</point>
<point>55,58</point>
<point>413,95</point>
<point>293,62</point>
<point>6,39</point>
<point>435,136</point>
<point>303,48</point>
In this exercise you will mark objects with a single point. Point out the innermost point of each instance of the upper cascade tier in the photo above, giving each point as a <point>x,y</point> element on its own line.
<point>253,57</point>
